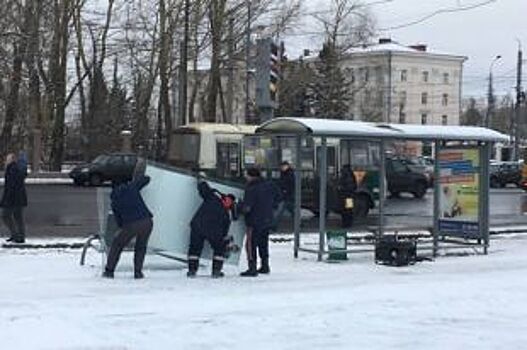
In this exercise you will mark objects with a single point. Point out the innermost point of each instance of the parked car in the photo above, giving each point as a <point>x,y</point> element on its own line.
<point>419,165</point>
<point>504,173</point>
<point>404,178</point>
<point>106,167</point>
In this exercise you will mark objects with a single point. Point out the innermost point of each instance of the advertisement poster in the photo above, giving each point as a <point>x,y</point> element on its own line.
<point>459,186</point>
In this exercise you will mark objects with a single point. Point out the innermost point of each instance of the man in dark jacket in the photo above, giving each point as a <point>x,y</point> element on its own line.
<point>211,222</point>
<point>347,189</point>
<point>260,199</point>
<point>14,199</point>
<point>134,221</point>
<point>287,191</point>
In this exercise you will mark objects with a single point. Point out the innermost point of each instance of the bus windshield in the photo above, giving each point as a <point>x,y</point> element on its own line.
<point>185,149</point>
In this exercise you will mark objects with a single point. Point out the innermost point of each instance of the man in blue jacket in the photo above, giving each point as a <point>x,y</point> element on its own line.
<point>210,223</point>
<point>134,220</point>
<point>260,200</point>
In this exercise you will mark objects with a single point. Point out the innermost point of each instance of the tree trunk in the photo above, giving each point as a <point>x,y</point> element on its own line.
<point>12,107</point>
<point>33,14</point>
<point>59,83</point>
<point>164,112</point>
<point>216,16</point>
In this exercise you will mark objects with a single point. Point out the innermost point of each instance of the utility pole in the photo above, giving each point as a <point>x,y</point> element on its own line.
<point>230,81</point>
<point>490,95</point>
<point>247,59</point>
<point>184,67</point>
<point>517,107</point>
<point>490,103</point>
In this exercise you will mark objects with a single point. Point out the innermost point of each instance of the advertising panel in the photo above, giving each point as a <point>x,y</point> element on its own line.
<point>459,192</point>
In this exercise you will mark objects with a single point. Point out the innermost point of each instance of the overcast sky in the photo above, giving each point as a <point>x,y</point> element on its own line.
<point>480,34</point>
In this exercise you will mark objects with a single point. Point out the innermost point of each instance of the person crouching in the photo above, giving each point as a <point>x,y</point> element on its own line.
<point>210,223</point>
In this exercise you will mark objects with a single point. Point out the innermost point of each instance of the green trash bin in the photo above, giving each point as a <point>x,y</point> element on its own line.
<point>337,245</point>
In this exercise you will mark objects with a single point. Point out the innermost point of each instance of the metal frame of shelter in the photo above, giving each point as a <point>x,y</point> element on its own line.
<point>480,138</point>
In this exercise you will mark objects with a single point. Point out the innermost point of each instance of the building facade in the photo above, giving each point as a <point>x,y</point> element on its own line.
<point>389,82</point>
<point>404,84</point>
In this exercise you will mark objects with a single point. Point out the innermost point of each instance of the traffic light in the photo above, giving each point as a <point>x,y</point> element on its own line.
<point>267,76</point>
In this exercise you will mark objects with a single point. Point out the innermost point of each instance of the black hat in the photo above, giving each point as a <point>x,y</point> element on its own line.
<point>253,172</point>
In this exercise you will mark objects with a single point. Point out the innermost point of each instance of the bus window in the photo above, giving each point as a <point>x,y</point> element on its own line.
<point>331,159</point>
<point>227,159</point>
<point>185,150</point>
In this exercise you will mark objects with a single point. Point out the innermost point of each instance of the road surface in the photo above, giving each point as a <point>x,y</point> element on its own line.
<point>69,211</point>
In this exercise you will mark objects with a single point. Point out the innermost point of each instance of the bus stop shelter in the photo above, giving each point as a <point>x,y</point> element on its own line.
<point>462,156</point>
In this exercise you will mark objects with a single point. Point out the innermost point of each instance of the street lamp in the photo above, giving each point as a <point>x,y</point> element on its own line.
<point>490,95</point>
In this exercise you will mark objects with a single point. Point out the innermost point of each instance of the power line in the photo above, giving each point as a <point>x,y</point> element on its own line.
<point>439,12</point>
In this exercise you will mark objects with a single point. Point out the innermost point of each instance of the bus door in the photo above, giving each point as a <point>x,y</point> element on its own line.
<point>228,164</point>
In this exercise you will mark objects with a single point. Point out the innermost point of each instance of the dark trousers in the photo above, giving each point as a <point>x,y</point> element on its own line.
<point>140,230</point>
<point>197,240</point>
<point>258,242</point>
<point>347,218</point>
<point>286,205</point>
<point>14,220</point>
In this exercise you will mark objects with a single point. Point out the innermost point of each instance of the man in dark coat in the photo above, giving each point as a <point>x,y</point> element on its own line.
<point>347,189</point>
<point>211,223</point>
<point>14,199</point>
<point>261,197</point>
<point>287,191</point>
<point>134,220</point>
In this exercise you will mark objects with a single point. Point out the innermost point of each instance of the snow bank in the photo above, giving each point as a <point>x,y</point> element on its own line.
<point>47,301</point>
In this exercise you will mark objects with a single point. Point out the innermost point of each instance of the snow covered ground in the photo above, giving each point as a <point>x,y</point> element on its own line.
<point>48,301</point>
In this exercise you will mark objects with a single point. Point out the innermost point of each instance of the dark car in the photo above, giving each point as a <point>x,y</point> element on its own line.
<point>420,165</point>
<point>404,178</point>
<point>502,174</point>
<point>106,167</point>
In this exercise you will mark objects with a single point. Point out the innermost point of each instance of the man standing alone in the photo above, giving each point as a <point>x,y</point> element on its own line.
<point>259,201</point>
<point>287,190</point>
<point>14,199</point>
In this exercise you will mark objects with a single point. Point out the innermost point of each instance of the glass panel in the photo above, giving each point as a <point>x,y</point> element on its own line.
<point>185,148</point>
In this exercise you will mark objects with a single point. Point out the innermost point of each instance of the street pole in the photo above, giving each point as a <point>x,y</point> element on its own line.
<point>230,81</point>
<point>247,60</point>
<point>517,107</point>
<point>184,68</point>
<point>490,95</point>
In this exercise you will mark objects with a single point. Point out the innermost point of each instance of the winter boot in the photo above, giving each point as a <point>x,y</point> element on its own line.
<point>138,275</point>
<point>107,273</point>
<point>10,239</point>
<point>264,269</point>
<point>217,265</point>
<point>192,268</point>
<point>251,272</point>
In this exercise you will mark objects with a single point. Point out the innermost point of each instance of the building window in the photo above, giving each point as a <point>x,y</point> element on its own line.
<point>352,75</point>
<point>367,96</point>
<point>444,120</point>
<point>446,78</point>
<point>380,98</point>
<point>402,97</point>
<point>402,117</point>
<point>378,74</point>
<point>424,118</point>
<point>404,75</point>
<point>424,98</point>
<point>366,75</point>
<point>426,76</point>
<point>444,100</point>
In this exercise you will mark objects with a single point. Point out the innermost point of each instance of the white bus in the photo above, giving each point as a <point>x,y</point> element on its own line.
<point>214,149</point>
